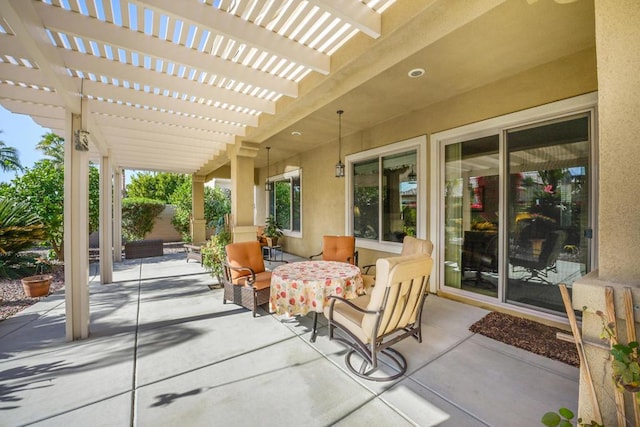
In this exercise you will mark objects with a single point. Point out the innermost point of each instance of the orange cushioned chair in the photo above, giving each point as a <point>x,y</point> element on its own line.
<point>246,282</point>
<point>338,248</point>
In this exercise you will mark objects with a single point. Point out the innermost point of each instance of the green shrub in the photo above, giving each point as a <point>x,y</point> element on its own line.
<point>217,203</point>
<point>213,253</point>
<point>138,215</point>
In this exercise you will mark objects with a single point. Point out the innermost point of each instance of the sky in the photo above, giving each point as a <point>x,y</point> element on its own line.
<point>23,133</point>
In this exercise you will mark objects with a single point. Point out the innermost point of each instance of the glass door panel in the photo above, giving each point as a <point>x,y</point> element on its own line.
<point>548,210</point>
<point>471,199</point>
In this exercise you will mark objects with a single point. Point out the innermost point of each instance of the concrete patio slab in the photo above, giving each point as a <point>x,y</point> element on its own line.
<point>165,350</point>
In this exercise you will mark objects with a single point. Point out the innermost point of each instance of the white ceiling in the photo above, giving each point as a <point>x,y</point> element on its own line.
<point>170,84</point>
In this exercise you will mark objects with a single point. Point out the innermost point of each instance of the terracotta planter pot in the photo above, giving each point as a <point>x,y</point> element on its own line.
<point>36,286</point>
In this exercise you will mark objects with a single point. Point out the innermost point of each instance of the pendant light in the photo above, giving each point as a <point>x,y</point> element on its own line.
<point>267,183</point>
<point>339,165</point>
<point>412,175</point>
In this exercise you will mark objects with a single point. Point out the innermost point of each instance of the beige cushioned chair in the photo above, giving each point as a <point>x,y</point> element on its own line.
<point>371,324</point>
<point>410,246</point>
<point>246,282</point>
<point>338,248</point>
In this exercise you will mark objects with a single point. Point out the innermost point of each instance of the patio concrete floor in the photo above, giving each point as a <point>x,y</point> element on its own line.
<point>164,350</point>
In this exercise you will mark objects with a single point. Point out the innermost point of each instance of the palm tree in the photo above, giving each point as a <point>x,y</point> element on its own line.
<point>20,228</point>
<point>52,146</point>
<point>9,158</point>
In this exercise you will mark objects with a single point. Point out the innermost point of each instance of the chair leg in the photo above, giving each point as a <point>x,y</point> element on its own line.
<point>255,302</point>
<point>395,359</point>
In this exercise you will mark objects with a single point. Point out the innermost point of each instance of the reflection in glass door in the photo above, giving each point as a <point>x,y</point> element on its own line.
<point>516,236</point>
<point>548,210</point>
<point>472,194</point>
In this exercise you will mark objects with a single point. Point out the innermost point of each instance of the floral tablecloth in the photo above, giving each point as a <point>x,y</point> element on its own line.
<point>300,287</point>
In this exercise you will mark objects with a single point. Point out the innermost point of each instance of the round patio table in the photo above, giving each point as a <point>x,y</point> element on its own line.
<point>301,287</point>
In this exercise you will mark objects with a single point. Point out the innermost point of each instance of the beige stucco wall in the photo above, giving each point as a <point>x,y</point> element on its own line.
<point>323,194</point>
<point>162,227</point>
<point>618,41</point>
<point>618,47</point>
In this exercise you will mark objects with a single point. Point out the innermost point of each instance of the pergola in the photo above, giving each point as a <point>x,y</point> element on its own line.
<point>164,86</point>
<point>202,87</point>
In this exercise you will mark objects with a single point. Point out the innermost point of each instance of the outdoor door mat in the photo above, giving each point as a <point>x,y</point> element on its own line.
<point>527,335</point>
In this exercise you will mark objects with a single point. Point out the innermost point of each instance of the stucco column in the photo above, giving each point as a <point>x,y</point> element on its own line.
<point>106,221</point>
<point>198,221</point>
<point>76,235</point>
<point>117,214</point>
<point>618,56</point>
<point>242,183</point>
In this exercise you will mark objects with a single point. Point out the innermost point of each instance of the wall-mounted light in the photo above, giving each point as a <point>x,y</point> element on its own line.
<point>81,138</point>
<point>268,186</point>
<point>340,165</point>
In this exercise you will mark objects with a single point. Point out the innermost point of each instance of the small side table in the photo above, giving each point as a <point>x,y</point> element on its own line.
<point>194,252</point>
<point>270,253</point>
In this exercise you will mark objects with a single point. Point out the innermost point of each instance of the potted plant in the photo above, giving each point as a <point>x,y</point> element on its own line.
<point>38,285</point>
<point>272,231</point>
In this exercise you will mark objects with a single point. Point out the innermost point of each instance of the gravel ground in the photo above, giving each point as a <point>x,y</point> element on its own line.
<point>13,299</point>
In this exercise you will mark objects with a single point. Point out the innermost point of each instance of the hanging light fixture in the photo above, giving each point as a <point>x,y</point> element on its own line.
<point>339,165</point>
<point>267,183</point>
<point>412,175</point>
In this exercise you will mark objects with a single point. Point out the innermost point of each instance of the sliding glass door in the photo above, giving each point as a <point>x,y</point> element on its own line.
<point>471,210</point>
<point>548,210</point>
<point>516,212</point>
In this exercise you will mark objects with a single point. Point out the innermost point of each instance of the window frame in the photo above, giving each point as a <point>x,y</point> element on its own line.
<point>419,144</point>
<point>287,176</point>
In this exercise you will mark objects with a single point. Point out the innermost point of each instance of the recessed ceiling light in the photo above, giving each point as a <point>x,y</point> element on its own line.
<point>416,72</point>
<point>296,133</point>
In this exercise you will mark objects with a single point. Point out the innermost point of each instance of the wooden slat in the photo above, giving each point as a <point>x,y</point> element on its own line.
<point>611,320</point>
<point>631,336</point>
<point>141,18</point>
<point>584,366</point>
<point>108,11</point>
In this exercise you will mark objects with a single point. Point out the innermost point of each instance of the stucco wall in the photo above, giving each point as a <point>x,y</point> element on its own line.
<point>163,229</point>
<point>618,47</point>
<point>323,194</point>
<point>618,41</point>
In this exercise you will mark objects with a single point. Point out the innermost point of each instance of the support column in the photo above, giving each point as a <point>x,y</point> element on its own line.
<point>198,221</point>
<point>76,236</point>
<point>618,57</point>
<point>118,176</point>
<point>106,222</point>
<point>242,188</point>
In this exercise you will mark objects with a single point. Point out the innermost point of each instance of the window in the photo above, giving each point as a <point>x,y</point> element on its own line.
<point>385,194</point>
<point>285,199</point>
